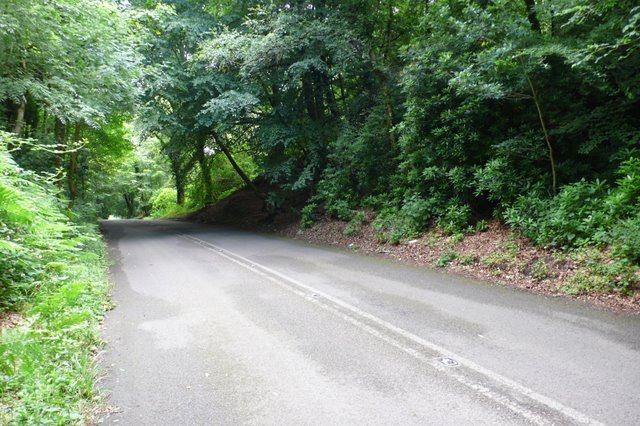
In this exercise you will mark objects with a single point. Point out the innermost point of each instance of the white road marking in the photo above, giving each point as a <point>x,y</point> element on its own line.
<point>315,296</point>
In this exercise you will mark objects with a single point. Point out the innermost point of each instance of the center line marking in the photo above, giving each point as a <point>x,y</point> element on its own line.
<point>315,296</point>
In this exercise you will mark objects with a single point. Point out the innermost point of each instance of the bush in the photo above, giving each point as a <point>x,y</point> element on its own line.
<point>574,218</point>
<point>411,219</point>
<point>446,258</point>
<point>456,218</point>
<point>355,224</point>
<point>585,213</point>
<point>33,232</point>
<point>625,239</point>
<point>308,215</point>
<point>163,201</point>
<point>340,209</point>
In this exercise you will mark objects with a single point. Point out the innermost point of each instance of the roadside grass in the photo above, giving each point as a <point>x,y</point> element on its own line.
<point>46,369</point>
<point>174,211</point>
<point>54,273</point>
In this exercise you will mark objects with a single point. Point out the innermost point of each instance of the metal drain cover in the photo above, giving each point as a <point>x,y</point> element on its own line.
<point>449,362</point>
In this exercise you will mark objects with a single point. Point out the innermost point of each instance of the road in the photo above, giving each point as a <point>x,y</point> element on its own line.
<point>215,326</point>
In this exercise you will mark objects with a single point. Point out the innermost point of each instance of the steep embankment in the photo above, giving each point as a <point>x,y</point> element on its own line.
<point>497,254</point>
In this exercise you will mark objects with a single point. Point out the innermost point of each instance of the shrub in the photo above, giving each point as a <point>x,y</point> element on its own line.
<point>585,213</point>
<point>574,218</point>
<point>412,218</point>
<point>625,200</point>
<point>163,202</point>
<point>355,224</point>
<point>455,219</point>
<point>340,209</point>
<point>625,239</point>
<point>446,258</point>
<point>308,215</point>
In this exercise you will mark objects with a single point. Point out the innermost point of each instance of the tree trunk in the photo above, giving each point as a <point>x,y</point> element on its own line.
<point>180,190</point>
<point>237,168</point>
<point>73,167</point>
<point>388,31</point>
<point>129,199</point>
<point>330,98</point>
<point>60,133</point>
<point>532,15</point>
<point>547,138</point>
<point>179,178</point>
<point>389,113</point>
<point>308,93</point>
<point>17,128</point>
<point>206,175</point>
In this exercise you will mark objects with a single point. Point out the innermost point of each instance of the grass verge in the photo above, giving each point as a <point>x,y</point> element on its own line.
<point>46,370</point>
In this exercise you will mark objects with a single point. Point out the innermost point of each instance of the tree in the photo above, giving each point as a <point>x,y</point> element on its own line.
<point>66,67</point>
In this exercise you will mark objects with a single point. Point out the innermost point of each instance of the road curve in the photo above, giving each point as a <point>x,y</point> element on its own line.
<point>215,326</point>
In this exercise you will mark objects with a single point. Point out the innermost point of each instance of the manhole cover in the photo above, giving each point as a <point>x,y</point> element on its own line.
<point>449,362</point>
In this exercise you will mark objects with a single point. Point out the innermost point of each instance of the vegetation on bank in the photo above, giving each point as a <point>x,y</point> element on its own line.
<point>53,272</point>
<point>445,113</point>
<point>442,114</point>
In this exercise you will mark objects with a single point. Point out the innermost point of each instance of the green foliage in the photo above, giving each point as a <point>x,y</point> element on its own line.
<point>539,270</point>
<point>31,228</point>
<point>163,201</point>
<point>585,213</point>
<point>446,258</point>
<point>624,237</point>
<point>163,205</point>
<point>355,224</point>
<point>575,217</point>
<point>395,224</point>
<point>308,215</point>
<point>55,271</point>
<point>503,257</point>
<point>455,219</point>
<point>601,273</point>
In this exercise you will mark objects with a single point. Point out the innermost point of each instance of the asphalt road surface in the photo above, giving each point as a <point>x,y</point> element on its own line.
<point>215,326</point>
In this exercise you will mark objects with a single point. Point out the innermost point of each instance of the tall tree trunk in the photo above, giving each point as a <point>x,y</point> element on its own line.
<point>388,31</point>
<point>236,167</point>
<point>388,113</point>
<point>532,15</point>
<point>60,133</point>
<point>73,167</point>
<point>180,191</point>
<point>179,178</point>
<point>308,93</point>
<point>547,138</point>
<point>130,199</point>
<point>205,169</point>
<point>17,128</point>
<point>45,124</point>
<point>330,97</point>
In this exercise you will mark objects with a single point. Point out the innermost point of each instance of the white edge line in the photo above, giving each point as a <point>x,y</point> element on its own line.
<point>496,377</point>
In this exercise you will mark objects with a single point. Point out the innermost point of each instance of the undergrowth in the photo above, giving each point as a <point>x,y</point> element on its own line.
<point>596,222</point>
<point>53,272</point>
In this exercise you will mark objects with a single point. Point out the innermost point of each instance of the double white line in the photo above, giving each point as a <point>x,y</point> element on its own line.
<point>491,385</point>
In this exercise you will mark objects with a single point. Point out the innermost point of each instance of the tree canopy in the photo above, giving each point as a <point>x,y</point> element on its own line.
<point>437,113</point>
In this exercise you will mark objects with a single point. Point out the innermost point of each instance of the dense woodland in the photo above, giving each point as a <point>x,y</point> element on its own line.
<point>433,114</point>
<point>430,113</point>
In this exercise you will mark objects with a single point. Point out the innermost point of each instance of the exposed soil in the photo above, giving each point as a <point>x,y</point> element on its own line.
<point>497,255</point>
<point>10,320</point>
